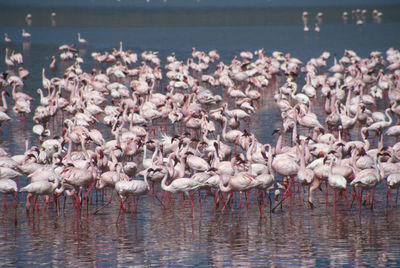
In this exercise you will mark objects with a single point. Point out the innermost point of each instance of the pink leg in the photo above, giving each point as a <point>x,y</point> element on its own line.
<point>106,204</point>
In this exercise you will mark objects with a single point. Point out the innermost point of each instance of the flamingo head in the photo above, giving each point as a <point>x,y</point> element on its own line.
<point>361,152</point>
<point>212,170</point>
<point>277,130</point>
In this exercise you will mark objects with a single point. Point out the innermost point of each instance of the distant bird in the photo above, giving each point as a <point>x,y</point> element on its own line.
<point>25,35</point>
<point>7,39</point>
<point>53,63</point>
<point>53,19</point>
<point>317,29</point>
<point>81,41</point>
<point>305,21</point>
<point>345,16</point>
<point>319,17</point>
<point>28,19</point>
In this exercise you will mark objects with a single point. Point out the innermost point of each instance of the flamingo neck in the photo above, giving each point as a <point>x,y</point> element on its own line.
<point>250,149</point>
<point>330,166</point>
<point>388,116</point>
<point>164,185</point>
<point>3,98</point>
<point>145,180</point>
<point>222,187</point>
<point>278,145</point>
<point>302,151</point>
<point>328,106</point>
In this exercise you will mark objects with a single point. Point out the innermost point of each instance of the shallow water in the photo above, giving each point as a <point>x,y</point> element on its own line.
<point>293,235</point>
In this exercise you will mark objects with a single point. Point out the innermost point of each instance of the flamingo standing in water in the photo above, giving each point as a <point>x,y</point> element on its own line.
<point>305,21</point>
<point>41,188</point>
<point>81,40</point>
<point>25,35</point>
<point>305,175</point>
<point>336,181</point>
<point>7,39</point>
<point>367,179</point>
<point>393,182</point>
<point>8,186</point>
<point>125,188</point>
<point>10,64</point>
<point>179,185</point>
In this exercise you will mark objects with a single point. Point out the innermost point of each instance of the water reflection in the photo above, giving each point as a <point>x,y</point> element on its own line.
<point>163,237</point>
<point>26,47</point>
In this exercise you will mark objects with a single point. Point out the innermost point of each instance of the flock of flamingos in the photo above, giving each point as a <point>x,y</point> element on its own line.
<point>133,124</point>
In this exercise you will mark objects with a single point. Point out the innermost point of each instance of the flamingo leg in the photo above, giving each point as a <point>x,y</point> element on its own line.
<point>389,197</point>
<point>326,195</point>
<point>315,185</point>
<point>279,203</point>
<point>120,209</point>
<point>4,204</point>
<point>191,201</point>
<point>136,207</point>
<point>334,200</point>
<point>15,203</point>
<point>359,201</point>
<point>106,204</point>
<point>347,200</point>
<point>227,201</point>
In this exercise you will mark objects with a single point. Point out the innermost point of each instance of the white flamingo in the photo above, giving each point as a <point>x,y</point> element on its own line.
<point>81,40</point>
<point>124,188</point>
<point>41,188</point>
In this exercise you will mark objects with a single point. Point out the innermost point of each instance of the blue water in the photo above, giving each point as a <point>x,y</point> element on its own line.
<point>295,236</point>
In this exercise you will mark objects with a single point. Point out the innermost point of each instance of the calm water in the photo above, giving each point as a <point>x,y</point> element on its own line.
<point>292,236</point>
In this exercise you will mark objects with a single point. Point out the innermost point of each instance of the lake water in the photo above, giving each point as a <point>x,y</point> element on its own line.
<point>292,236</point>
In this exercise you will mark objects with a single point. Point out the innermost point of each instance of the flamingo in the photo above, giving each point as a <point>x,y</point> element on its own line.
<point>393,131</point>
<point>81,41</point>
<point>125,188</point>
<point>305,21</point>
<point>41,188</point>
<point>4,119</point>
<point>53,63</point>
<point>25,34</point>
<point>179,185</point>
<point>367,179</point>
<point>304,175</point>
<point>239,113</point>
<point>317,29</point>
<point>8,186</point>
<point>231,136</point>
<point>196,163</point>
<point>240,181</point>
<point>267,177</point>
<point>8,61</point>
<point>380,125</point>
<point>53,19</point>
<point>7,39</point>
<point>393,182</point>
<point>336,181</point>
<point>336,67</point>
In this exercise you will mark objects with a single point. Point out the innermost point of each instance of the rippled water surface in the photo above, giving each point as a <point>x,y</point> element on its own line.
<point>242,237</point>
